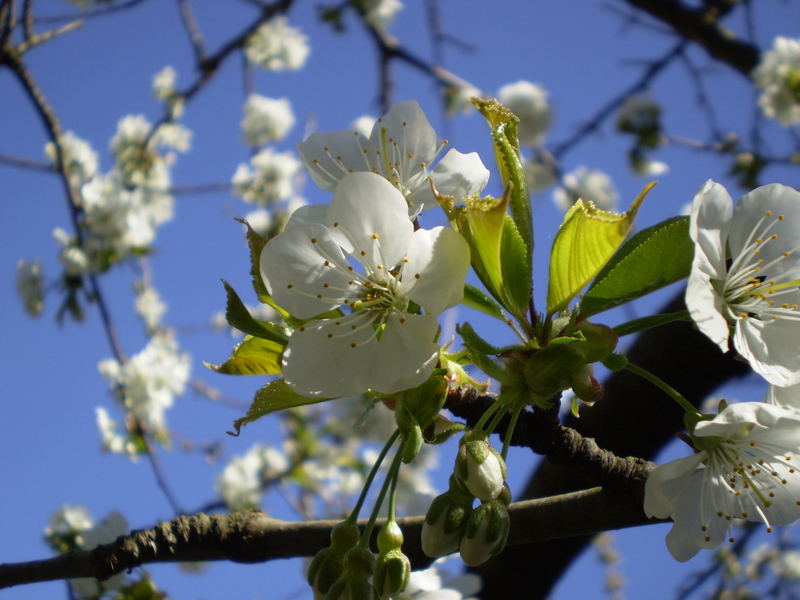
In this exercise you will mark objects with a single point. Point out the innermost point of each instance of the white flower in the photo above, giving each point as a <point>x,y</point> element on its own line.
<point>757,291</point>
<point>277,47</point>
<point>380,13</point>
<point>639,114</point>
<point>104,532</point>
<point>69,520</point>
<point>71,255</point>
<point>363,125</point>
<point>778,78</point>
<point>164,83</point>
<point>266,119</point>
<point>401,148</point>
<point>245,478</point>
<point>148,383</point>
<point>113,441</point>
<point>746,469</point>
<point>149,305</point>
<point>434,583</point>
<point>136,154</point>
<point>590,185</point>
<point>79,158</point>
<point>381,343</point>
<point>539,175</point>
<point>30,287</point>
<point>529,102</point>
<point>270,180</point>
<point>644,167</point>
<point>459,99</point>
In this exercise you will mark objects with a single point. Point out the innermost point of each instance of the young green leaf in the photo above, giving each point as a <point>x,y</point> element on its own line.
<point>238,316</point>
<point>275,396</point>
<point>586,241</point>
<point>653,258</point>
<point>476,299</point>
<point>254,356</point>
<point>256,243</point>
<point>516,269</point>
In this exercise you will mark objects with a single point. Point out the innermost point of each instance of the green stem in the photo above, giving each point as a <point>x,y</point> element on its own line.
<point>374,471</point>
<point>487,414</point>
<point>510,431</point>
<point>390,477</point>
<point>663,386</point>
<point>637,325</point>
<point>496,418</point>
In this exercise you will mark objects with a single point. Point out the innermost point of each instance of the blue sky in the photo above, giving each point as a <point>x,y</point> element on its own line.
<point>581,52</point>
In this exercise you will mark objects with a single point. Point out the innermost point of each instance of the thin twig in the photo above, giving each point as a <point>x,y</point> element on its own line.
<point>28,163</point>
<point>27,19</point>
<point>100,11</point>
<point>193,31</point>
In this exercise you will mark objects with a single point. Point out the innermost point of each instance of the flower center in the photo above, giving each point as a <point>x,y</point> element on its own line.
<point>759,288</point>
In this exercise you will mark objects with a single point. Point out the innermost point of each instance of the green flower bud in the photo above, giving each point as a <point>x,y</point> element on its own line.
<point>390,537</point>
<point>328,564</point>
<point>412,443</point>
<point>480,467</point>
<point>485,534</point>
<point>445,522</point>
<point>548,371</point>
<point>600,341</point>
<point>354,582</point>
<point>391,573</point>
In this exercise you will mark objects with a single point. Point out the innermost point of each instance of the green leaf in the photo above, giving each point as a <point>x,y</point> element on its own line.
<point>254,356</point>
<point>475,342</point>
<point>585,242</point>
<point>503,125</point>
<point>476,299</point>
<point>256,243</point>
<point>653,258</point>
<point>238,316</point>
<point>275,396</point>
<point>516,269</point>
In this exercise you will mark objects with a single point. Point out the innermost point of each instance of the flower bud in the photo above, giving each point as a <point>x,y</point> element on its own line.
<point>412,443</point>
<point>354,582</point>
<point>486,533</point>
<point>328,564</point>
<point>391,573</point>
<point>445,522</point>
<point>480,467</point>
<point>585,386</point>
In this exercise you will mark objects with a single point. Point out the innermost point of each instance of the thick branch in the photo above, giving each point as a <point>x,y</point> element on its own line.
<point>254,537</point>
<point>701,25</point>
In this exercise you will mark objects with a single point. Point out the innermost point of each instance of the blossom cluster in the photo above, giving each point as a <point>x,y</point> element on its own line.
<point>744,290</point>
<point>778,78</point>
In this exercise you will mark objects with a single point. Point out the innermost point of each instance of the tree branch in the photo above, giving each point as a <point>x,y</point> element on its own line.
<point>254,537</point>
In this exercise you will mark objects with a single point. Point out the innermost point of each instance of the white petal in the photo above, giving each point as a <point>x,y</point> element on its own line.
<point>751,208</point>
<point>297,264</point>
<point>308,213</point>
<point>788,397</point>
<point>696,500</point>
<point>406,354</point>
<point>374,215</point>
<point>329,156</point>
<point>657,500</point>
<point>322,361</point>
<point>438,261</point>
<point>771,348</point>
<point>460,175</point>
<point>407,125</point>
<point>705,307</point>
<point>709,223</point>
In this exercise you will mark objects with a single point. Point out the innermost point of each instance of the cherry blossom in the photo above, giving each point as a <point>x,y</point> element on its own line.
<point>745,274</point>
<point>365,258</point>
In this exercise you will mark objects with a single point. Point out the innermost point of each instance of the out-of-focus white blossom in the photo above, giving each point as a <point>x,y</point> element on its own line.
<point>71,255</point>
<point>266,119</point>
<point>164,83</point>
<point>539,175</point>
<point>260,220</point>
<point>529,102</point>
<point>244,479</point>
<point>457,99</point>
<point>363,125</point>
<point>638,114</point>
<point>113,441</point>
<point>778,78</point>
<point>148,383</point>
<point>277,46</point>
<point>72,528</point>
<point>149,306</point>
<point>269,178</point>
<point>79,158</point>
<point>380,13</point>
<point>30,287</point>
<point>590,185</point>
<point>644,167</point>
<point>136,152</point>
<point>435,583</point>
